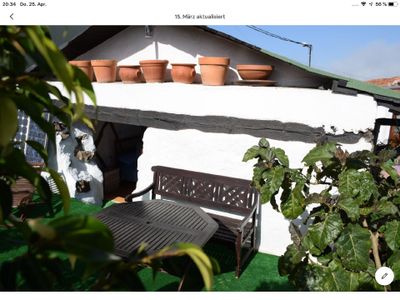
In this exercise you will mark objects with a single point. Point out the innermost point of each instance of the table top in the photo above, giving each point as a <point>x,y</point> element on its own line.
<point>158,223</point>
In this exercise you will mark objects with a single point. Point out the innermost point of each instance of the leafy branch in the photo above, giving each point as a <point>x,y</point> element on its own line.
<point>354,225</point>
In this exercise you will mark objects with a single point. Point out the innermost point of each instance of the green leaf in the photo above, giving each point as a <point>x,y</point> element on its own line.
<point>294,206</point>
<point>51,54</point>
<point>84,82</point>
<point>337,279</point>
<point>251,153</point>
<point>281,156</point>
<point>8,121</point>
<point>353,247</point>
<point>273,180</point>
<point>321,153</point>
<point>323,233</point>
<point>394,263</point>
<point>349,183</point>
<point>83,236</point>
<point>382,209</point>
<point>62,188</point>
<point>197,255</point>
<point>357,184</point>
<point>392,234</point>
<point>350,206</point>
<point>257,179</point>
<point>341,279</point>
<point>263,143</point>
<point>266,154</point>
<point>388,166</point>
<point>287,262</point>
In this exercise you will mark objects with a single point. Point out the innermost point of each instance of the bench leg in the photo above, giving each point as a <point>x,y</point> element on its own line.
<point>238,254</point>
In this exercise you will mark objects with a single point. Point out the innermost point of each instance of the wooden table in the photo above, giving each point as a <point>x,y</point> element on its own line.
<point>158,223</point>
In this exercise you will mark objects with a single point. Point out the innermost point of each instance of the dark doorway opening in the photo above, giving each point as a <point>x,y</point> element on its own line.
<point>118,149</point>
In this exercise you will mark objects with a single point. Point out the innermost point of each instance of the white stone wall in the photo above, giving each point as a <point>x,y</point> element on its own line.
<point>65,161</point>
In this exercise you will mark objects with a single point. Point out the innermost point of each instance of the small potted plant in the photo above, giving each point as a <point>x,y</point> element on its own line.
<point>154,70</point>
<point>213,70</point>
<point>105,70</point>
<point>85,66</point>
<point>183,73</point>
<point>130,74</point>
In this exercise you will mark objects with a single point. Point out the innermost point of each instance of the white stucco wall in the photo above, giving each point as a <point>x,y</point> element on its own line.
<point>336,113</point>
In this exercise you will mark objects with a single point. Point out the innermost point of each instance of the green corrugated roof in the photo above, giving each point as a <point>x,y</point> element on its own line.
<point>351,83</point>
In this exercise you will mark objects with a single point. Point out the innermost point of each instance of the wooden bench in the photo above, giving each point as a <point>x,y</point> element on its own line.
<point>217,193</point>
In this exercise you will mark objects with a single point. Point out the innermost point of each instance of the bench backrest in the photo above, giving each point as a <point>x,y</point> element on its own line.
<point>207,190</point>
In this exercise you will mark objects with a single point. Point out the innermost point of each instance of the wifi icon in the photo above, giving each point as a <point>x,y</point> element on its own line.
<point>363,3</point>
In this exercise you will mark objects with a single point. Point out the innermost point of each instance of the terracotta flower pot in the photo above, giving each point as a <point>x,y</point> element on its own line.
<point>105,70</point>
<point>213,70</point>
<point>130,74</point>
<point>254,72</point>
<point>85,66</point>
<point>184,73</point>
<point>154,70</point>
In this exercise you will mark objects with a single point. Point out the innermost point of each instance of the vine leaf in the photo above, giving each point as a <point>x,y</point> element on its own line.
<point>251,153</point>
<point>321,153</point>
<point>351,207</point>
<point>336,278</point>
<point>358,185</point>
<point>281,156</point>
<point>388,167</point>
<point>294,206</point>
<point>293,256</point>
<point>321,234</point>
<point>273,181</point>
<point>353,247</point>
<point>382,209</point>
<point>392,234</point>
<point>394,263</point>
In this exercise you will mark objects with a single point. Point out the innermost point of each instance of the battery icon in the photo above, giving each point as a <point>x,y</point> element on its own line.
<point>393,3</point>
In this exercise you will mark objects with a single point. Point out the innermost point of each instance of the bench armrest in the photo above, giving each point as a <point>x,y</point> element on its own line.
<point>247,219</point>
<point>141,193</point>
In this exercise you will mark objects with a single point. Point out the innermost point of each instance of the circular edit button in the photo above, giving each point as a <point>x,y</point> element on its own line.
<point>384,276</point>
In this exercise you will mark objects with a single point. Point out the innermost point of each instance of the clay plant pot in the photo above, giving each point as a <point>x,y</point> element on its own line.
<point>213,70</point>
<point>105,70</point>
<point>130,74</point>
<point>254,72</point>
<point>85,66</point>
<point>154,70</point>
<point>183,73</point>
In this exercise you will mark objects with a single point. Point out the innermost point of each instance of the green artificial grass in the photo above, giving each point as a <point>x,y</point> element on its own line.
<point>259,274</point>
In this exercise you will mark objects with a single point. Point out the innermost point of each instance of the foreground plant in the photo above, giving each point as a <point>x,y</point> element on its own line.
<point>81,247</point>
<point>80,239</point>
<point>353,223</point>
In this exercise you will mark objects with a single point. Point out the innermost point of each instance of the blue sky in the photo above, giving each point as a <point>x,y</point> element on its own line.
<point>361,52</point>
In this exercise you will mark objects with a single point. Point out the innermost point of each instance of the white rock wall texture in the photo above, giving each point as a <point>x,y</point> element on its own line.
<point>73,158</point>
